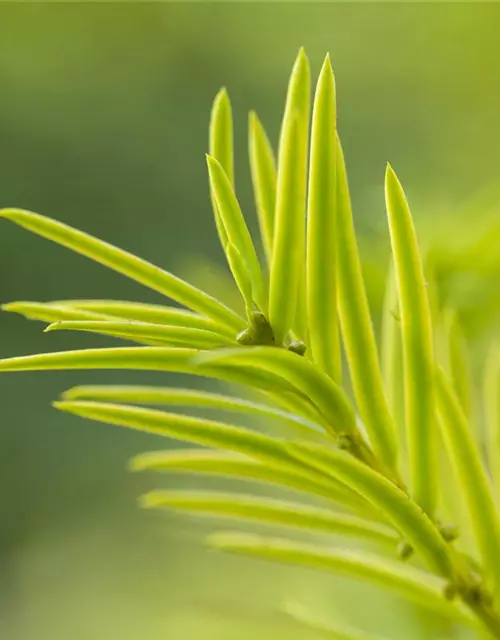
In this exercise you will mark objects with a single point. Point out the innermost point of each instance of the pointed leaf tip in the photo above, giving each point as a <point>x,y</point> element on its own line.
<point>211,161</point>
<point>390,174</point>
<point>300,72</point>
<point>252,120</point>
<point>326,67</point>
<point>11,214</point>
<point>150,500</point>
<point>221,95</point>
<point>255,121</point>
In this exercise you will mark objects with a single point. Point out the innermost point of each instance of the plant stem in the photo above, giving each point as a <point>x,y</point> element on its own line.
<point>485,613</point>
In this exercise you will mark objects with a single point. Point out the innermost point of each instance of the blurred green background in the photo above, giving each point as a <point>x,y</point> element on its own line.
<point>103,124</point>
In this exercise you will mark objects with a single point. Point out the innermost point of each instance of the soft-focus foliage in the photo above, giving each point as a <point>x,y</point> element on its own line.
<point>339,448</point>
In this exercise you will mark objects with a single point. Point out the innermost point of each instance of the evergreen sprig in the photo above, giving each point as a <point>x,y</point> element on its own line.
<point>372,466</point>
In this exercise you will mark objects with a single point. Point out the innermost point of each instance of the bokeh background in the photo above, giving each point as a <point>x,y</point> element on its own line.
<point>103,124</point>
